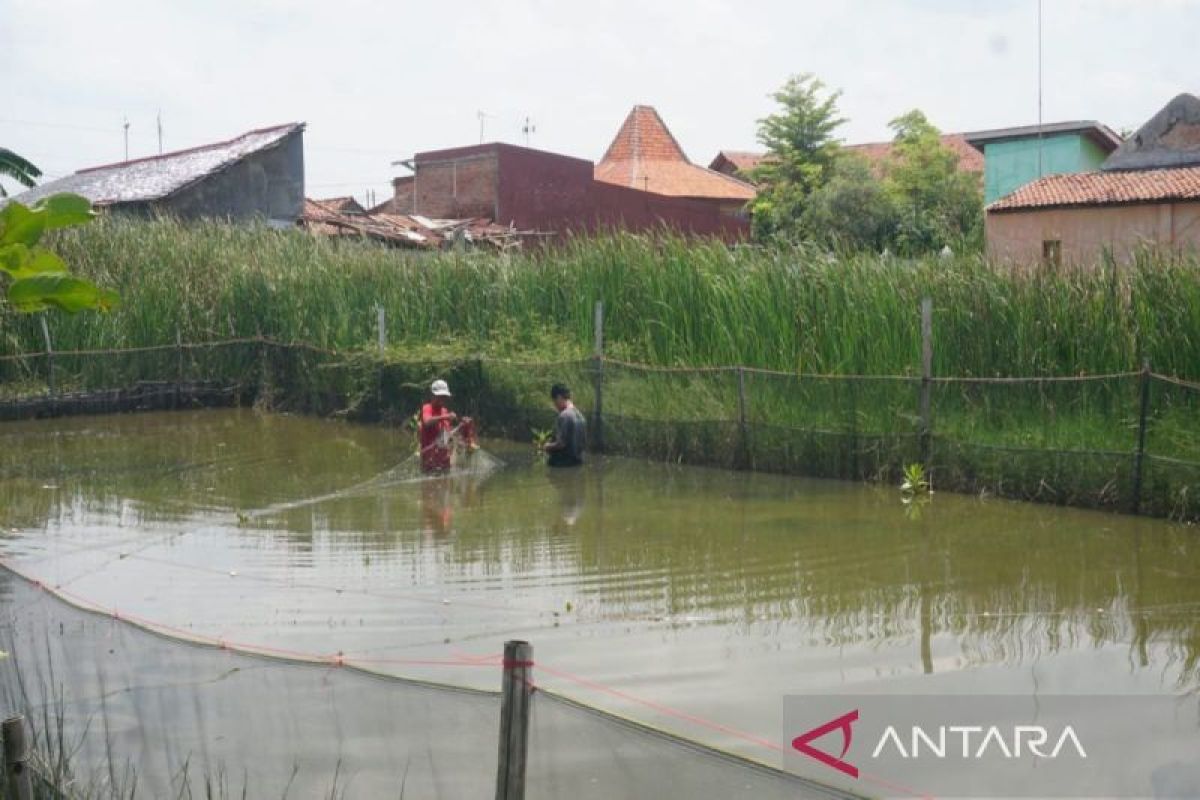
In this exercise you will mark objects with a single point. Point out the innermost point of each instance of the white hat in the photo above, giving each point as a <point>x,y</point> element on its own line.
<point>440,388</point>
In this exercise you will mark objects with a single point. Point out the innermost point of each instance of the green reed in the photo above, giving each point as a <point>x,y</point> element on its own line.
<point>668,300</point>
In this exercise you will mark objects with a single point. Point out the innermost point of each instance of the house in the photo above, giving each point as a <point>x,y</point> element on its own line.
<point>643,182</point>
<point>259,174</point>
<point>736,163</point>
<point>1146,193</point>
<point>740,163</point>
<point>644,155</point>
<point>1015,156</point>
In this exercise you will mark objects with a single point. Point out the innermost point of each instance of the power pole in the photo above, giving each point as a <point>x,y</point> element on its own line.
<point>1039,79</point>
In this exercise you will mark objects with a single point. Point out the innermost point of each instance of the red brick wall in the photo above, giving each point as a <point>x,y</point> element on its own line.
<point>454,185</point>
<point>402,195</point>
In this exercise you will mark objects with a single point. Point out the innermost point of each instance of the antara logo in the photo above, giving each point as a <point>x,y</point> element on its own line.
<point>973,742</point>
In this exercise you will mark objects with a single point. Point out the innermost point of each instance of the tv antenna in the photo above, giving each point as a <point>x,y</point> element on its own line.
<point>483,117</point>
<point>528,129</point>
<point>126,126</point>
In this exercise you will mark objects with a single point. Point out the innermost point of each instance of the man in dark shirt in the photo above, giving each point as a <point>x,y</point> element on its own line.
<point>570,431</point>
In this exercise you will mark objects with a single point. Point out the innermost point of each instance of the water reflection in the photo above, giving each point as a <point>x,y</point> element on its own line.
<point>964,584</point>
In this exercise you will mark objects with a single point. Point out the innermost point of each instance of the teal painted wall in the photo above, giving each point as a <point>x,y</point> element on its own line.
<point>1009,165</point>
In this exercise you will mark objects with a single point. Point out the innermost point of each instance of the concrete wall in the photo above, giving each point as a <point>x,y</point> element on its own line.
<point>1017,237</point>
<point>1009,165</point>
<point>268,184</point>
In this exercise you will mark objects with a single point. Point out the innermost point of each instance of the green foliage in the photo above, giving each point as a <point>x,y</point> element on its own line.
<point>801,151</point>
<point>936,203</point>
<point>541,437</point>
<point>38,279</point>
<point>915,481</point>
<point>670,301</point>
<point>17,168</point>
<point>853,211</point>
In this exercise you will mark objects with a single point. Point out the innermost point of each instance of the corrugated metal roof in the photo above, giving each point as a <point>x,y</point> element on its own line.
<point>156,177</point>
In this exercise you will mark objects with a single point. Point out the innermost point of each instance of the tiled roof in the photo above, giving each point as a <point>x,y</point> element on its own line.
<point>740,160</point>
<point>1104,188</point>
<point>158,176</point>
<point>644,155</point>
<point>969,159</point>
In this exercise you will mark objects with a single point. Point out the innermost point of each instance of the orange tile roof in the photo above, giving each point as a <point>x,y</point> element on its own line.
<point>740,160</point>
<point>969,159</point>
<point>1104,188</point>
<point>644,155</point>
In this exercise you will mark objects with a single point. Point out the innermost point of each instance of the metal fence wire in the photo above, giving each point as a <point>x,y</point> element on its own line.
<point>1126,441</point>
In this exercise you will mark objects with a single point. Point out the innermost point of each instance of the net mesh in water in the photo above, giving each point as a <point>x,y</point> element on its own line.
<point>128,712</point>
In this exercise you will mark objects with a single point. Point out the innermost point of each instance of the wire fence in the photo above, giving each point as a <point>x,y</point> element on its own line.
<point>1126,441</point>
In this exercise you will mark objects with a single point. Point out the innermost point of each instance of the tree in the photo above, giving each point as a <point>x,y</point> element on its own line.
<point>37,278</point>
<point>17,168</point>
<point>801,150</point>
<point>853,210</point>
<point>937,203</point>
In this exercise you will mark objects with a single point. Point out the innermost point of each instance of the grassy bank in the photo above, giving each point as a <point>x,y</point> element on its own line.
<point>668,302</point>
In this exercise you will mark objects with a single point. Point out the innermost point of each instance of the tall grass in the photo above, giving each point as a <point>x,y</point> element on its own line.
<point>667,301</point>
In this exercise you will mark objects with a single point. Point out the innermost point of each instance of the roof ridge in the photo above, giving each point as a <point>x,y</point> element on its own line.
<point>190,150</point>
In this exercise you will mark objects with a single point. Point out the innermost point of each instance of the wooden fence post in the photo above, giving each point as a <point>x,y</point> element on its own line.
<point>178,365</point>
<point>49,355</point>
<point>16,758</point>
<point>517,689</point>
<point>1139,455</point>
<point>926,403</point>
<point>743,432</point>
<point>597,443</point>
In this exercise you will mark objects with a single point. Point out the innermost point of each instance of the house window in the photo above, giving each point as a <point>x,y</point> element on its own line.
<point>1052,253</point>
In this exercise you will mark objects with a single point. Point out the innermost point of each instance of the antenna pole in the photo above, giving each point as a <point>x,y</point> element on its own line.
<point>158,121</point>
<point>127,138</point>
<point>1039,78</point>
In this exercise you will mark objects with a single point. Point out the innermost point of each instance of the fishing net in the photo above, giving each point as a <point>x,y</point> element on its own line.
<point>117,711</point>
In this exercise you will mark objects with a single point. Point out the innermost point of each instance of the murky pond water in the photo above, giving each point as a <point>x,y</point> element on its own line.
<point>705,592</point>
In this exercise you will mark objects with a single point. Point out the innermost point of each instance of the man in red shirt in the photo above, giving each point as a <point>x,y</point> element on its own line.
<point>439,427</point>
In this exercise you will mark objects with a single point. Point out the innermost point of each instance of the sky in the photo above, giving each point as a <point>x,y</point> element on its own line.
<point>378,82</point>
